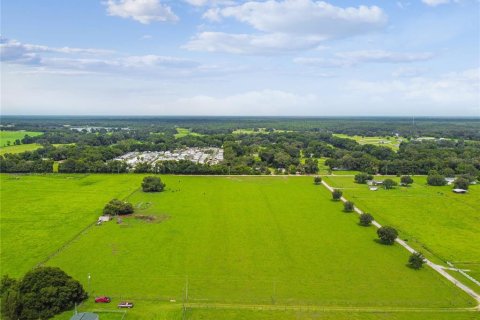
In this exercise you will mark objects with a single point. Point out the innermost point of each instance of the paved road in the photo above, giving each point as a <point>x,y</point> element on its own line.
<point>432,265</point>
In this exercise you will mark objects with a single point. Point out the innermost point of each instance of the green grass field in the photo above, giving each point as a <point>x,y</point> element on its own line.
<point>19,148</point>
<point>39,213</point>
<point>14,135</point>
<point>390,142</point>
<point>237,243</point>
<point>25,147</point>
<point>436,221</point>
<point>183,132</point>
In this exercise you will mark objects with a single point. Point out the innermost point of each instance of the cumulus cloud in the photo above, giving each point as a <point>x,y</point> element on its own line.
<point>352,58</point>
<point>286,25</point>
<point>303,17</point>
<point>143,11</point>
<point>250,43</point>
<point>434,3</point>
<point>201,3</point>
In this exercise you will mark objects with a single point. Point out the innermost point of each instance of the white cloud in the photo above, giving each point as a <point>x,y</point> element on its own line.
<point>12,50</point>
<point>434,3</point>
<point>143,11</point>
<point>250,43</point>
<point>452,91</point>
<point>285,26</point>
<point>75,61</point>
<point>304,17</point>
<point>213,3</point>
<point>352,58</point>
<point>263,102</point>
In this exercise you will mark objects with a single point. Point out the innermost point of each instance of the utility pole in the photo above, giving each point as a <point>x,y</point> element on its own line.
<point>274,290</point>
<point>186,289</point>
<point>88,286</point>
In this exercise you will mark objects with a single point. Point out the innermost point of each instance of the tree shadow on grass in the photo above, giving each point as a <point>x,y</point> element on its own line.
<point>379,241</point>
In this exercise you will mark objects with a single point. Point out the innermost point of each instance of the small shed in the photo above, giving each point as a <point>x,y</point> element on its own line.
<point>104,218</point>
<point>449,181</point>
<point>85,316</point>
<point>459,190</point>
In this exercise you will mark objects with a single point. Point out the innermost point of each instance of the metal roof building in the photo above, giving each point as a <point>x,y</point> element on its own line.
<point>85,316</point>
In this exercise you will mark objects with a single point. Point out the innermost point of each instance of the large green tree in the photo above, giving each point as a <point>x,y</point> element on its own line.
<point>387,235</point>
<point>389,184</point>
<point>117,207</point>
<point>152,184</point>
<point>40,294</point>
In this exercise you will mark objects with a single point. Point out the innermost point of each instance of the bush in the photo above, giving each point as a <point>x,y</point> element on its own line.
<point>41,294</point>
<point>389,184</point>
<point>317,180</point>
<point>366,219</point>
<point>362,178</point>
<point>348,206</point>
<point>337,194</point>
<point>416,260</point>
<point>387,235</point>
<point>152,184</point>
<point>461,183</point>
<point>436,180</point>
<point>406,180</point>
<point>117,207</point>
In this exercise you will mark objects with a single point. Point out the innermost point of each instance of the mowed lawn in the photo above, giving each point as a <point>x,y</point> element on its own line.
<point>39,213</point>
<point>14,135</point>
<point>248,241</point>
<point>433,219</point>
<point>390,142</point>
<point>25,147</point>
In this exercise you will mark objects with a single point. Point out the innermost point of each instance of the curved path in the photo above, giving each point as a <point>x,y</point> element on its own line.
<point>436,267</point>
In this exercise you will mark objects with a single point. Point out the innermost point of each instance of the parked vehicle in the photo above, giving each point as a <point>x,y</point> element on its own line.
<point>103,299</point>
<point>125,304</point>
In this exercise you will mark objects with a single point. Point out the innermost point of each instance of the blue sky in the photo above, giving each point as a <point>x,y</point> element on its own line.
<point>227,57</point>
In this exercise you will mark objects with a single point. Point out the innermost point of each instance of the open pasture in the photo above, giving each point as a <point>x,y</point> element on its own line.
<point>247,241</point>
<point>443,225</point>
<point>19,148</point>
<point>11,136</point>
<point>39,213</point>
<point>183,132</point>
<point>390,142</point>
<point>228,245</point>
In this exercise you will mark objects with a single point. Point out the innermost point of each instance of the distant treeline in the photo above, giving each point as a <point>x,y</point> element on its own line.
<point>466,128</point>
<point>285,151</point>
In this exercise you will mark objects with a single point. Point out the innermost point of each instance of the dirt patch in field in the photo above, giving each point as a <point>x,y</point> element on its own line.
<point>152,218</point>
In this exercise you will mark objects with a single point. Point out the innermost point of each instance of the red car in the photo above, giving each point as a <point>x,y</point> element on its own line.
<point>125,304</point>
<point>102,299</point>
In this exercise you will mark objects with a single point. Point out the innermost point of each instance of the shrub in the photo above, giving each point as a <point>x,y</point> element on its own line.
<point>461,183</point>
<point>406,180</point>
<point>436,179</point>
<point>362,178</point>
<point>117,207</point>
<point>337,194</point>
<point>387,235</point>
<point>416,260</point>
<point>389,184</point>
<point>317,180</point>
<point>366,219</point>
<point>152,184</point>
<point>348,206</point>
